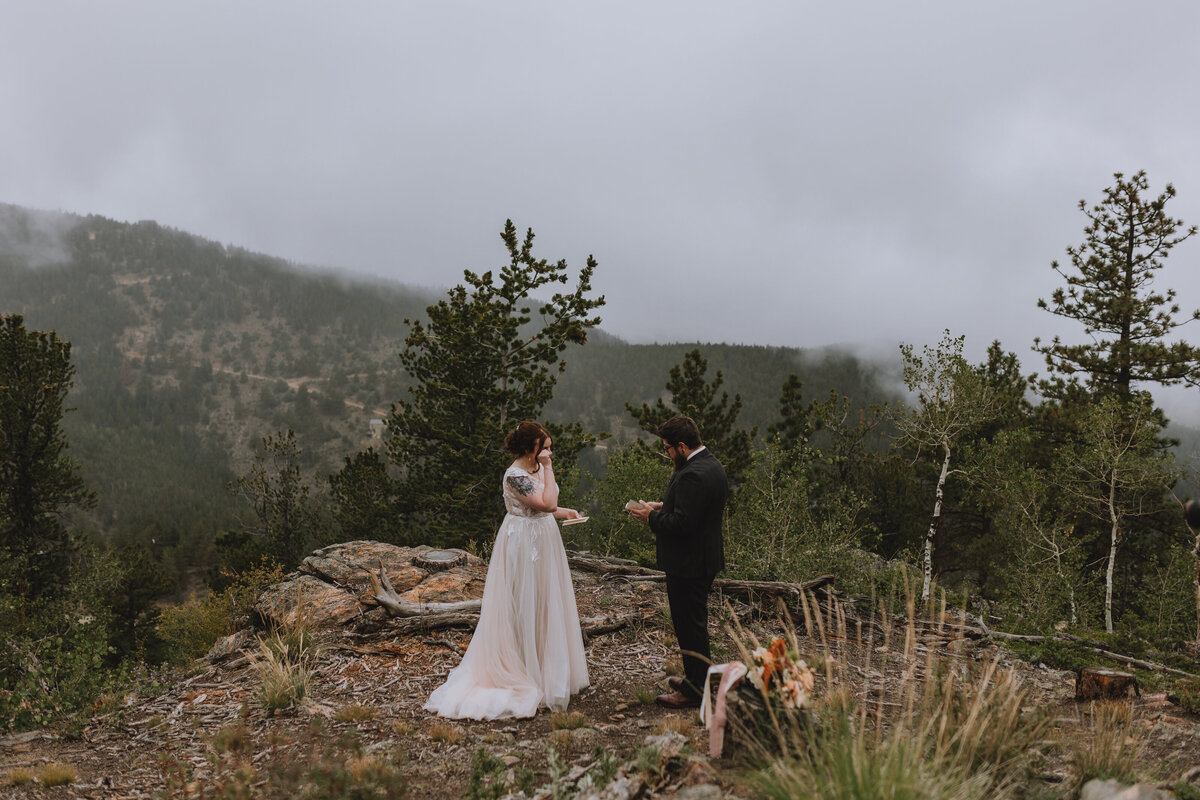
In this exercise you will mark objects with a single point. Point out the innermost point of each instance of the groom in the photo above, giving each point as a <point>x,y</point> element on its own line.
<point>687,533</point>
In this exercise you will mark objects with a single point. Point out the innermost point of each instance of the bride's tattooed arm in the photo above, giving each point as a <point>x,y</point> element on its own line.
<point>521,485</point>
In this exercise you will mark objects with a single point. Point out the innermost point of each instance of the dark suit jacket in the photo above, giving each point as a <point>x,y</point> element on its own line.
<point>687,530</point>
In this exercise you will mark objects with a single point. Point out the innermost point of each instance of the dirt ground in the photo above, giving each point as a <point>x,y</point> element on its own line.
<point>388,678</point>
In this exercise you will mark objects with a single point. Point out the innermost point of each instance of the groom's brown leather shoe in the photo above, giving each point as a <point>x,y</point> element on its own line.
<point>677,700</point>
<point>675,682</point>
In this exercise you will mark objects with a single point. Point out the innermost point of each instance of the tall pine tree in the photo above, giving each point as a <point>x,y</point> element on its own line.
<point>38,481</point>
<point>693,396</point>
<point>1109,290</point>
<point>480,365</point>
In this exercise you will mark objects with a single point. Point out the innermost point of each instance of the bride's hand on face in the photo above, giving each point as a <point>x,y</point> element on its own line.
<point>544,457</point>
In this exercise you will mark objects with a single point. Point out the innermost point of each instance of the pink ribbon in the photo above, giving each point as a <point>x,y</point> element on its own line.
<point>714,717</point>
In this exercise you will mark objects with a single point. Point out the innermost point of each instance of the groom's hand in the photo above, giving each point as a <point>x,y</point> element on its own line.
<point>642,512</point>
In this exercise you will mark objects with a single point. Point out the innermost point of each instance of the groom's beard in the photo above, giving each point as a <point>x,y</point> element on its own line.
<point>679,459</point>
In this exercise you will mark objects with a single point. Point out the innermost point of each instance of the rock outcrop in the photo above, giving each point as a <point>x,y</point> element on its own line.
<point>331,589</point>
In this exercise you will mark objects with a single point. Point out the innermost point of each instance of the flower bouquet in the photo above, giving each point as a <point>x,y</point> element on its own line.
<point>781,675</point>
<point>771,704</point>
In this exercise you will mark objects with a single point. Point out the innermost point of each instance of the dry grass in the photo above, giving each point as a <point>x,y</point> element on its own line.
<point>561,741</point>
<point>57,775</point>
<point>683,725</point>
<point>355,713</point>
<point>285,681</point>
<point>567,720</point>
<point>19,777</point>
<point>953,729</point>
<point>441,731</point>
<point>1113,748</point>
<point>673,666</point>
<point>644,695</point>
<point>402,727</point>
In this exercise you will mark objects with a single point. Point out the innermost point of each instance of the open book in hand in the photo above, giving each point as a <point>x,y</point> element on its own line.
<point>636,505</point>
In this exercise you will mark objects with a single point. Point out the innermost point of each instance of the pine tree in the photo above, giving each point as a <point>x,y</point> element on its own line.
<point>692,396</point>
<point>38,481</point>
<point>285,517</point>
<point>1109,290</point>
<point>480,365</point>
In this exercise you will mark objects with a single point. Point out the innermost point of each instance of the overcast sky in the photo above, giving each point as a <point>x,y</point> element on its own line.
<point>784,173</point>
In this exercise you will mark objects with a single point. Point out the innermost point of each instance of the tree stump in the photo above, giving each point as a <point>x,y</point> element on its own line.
<point>1096,683</point>
<point>438,560</point>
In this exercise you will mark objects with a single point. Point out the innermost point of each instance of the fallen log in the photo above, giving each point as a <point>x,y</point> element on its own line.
<point>1100,651</point>
<point>596,626</point>
<point>384,594</point>
<point>770,588</point>
<point>616,568</point>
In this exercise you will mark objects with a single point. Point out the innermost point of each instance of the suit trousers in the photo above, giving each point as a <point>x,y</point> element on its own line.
<point>688,600</point>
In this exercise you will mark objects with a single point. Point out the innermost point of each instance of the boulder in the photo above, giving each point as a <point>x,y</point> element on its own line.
<point>1115,790</point>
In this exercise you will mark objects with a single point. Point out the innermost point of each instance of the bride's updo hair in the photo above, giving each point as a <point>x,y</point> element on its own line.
<point>526,438</point>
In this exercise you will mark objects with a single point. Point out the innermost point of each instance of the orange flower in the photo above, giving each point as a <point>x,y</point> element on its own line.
<point>778,647</point>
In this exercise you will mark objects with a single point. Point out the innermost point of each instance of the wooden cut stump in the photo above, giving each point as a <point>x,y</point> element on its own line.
<point>1096,683</point>
<point>438,560</point>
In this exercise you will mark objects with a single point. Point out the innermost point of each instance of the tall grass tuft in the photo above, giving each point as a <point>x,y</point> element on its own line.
<point>1113,748</point>
<point>282,665</point>
<point>283,660</point>
<point>19,777</point>
<point>57,775</point>
<point>949,729</point>
<point>567,720</point>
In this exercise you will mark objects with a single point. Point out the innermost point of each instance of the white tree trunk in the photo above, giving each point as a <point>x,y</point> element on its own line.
<point>1112,557</point>
<point>1056,548</point>
<point>935,523</point>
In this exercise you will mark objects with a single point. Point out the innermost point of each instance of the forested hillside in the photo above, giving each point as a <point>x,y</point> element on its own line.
<point>189,352</point>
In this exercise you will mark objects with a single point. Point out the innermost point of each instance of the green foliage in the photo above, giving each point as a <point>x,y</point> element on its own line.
<point>1186,791</point>
<point>787,525</point>
<point>1186,694</point>
<point>1037,553</point>
<point>692,396</point>
<point>53,660</point>
<point>1057,653</point>
<point>634,473</point>
<point>37,479</point>
<point>190,629</point>
<point>953,399</point>
<point>364,500</point>
<point>487,777</point>
<point>1115,472</point>
<point>131,594</point>
<point>285,520</point>
<point>1109,291</point>
<point>478,368</point>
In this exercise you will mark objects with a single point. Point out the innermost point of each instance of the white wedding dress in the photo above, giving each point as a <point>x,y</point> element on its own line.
<point>527,650</point>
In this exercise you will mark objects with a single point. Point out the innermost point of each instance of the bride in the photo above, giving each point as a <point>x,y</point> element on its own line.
<point>527,650</point>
